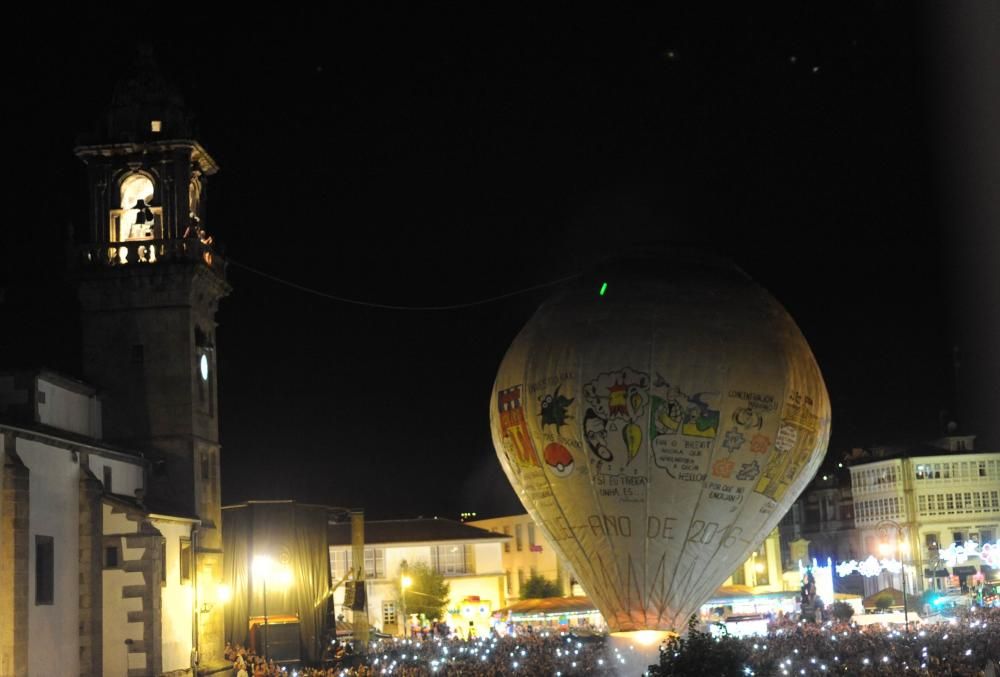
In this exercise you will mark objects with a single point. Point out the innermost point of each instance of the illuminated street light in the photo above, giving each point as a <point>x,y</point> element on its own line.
<point>265,569</point>
<point>901,546</point>
<point>404,583</point>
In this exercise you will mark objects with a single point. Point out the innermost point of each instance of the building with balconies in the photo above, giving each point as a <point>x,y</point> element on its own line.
<point>936,507</point>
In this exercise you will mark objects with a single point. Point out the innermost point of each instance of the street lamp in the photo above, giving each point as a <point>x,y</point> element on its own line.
<point>265,568</point>
<point>901,546</point>
<point>262,568</point>
<point>404,583</point>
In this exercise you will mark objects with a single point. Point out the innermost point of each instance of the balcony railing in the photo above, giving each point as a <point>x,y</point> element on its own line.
<point>151,252</point>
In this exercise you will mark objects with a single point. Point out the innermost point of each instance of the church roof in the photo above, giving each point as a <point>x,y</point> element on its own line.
<point>70,439</point>
<point>152,505</point>
<point>421,530</point>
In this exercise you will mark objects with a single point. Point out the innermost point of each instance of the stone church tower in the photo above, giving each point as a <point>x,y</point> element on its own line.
<point>149,287</point>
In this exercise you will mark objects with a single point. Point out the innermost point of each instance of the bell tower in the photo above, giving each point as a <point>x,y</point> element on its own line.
<point>150,282</point>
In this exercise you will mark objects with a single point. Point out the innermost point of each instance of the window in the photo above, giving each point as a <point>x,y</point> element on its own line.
<point>931,541</point>
<point>44,569</point>
<point>106,470</point>
<point>520,580</point>
<point>510,583</point>
<point>760,569</point>
<point>205,466</point>
<point>958,538</point>
<point>388,613</point>
<point>506,544</point>
<point>518,537</point>
<point>531,536</point>
<point>185,560</point>
<point>112,557</point>
<point>739,576</point>
<point>986,536</point>
<point>920,472</point>
<point>163,562</point>
<point>449,559</point>
<point>340,563</point>
<point>374,563</point>
<point>135,220</point>
<point>982,469</point>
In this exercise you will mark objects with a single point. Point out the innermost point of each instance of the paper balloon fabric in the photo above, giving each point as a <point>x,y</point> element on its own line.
<point>656,420</point>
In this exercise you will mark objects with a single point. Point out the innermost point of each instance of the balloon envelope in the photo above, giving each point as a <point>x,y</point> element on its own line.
<point>657,427</point>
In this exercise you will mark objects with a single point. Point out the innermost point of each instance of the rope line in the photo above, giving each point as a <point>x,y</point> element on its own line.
<point>385,306</point>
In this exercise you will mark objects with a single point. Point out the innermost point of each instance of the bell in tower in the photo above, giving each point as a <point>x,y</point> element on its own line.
<point>150,282</point>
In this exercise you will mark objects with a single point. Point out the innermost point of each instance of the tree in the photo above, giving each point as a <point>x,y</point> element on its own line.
<point>842,611</point>
<point>883,602</point>
<point>698,654</point>
<point>427,594</point>
<point>539,587</point>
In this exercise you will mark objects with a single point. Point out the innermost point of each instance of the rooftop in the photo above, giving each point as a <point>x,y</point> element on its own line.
<point>418,530</point>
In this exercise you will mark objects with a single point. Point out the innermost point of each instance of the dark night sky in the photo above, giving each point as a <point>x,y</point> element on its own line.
<point>428,158</point>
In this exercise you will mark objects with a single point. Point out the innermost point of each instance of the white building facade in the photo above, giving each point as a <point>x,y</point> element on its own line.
<point>90,576</point>
<point>468,558</point>
<point>936,510</point>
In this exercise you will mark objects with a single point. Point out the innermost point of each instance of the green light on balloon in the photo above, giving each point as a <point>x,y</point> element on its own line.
<point>604,288</point>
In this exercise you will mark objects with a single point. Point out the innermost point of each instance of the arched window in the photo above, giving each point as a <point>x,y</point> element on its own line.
<point>137,221</point>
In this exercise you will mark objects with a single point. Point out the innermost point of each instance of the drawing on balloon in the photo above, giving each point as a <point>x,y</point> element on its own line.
<point>558,459</point>
<point>682,430</point>
<point>595,429</point>
<point>760,443</point>
<point>555,409</point>
<point>554,413</point>
<point>514,429</point>
<point>617,402</point>
<point>748,471</point>
<point>676,411</point>
<point>733,441</point>
<point>793,445</point>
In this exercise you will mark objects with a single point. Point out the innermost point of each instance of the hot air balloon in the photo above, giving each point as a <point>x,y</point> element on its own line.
<point>657,417</point>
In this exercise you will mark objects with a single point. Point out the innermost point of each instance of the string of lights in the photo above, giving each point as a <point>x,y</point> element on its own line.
<point>386,306</point>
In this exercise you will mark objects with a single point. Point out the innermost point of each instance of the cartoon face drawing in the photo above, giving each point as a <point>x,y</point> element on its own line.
<point>597,435</point>
<point>555,409</point>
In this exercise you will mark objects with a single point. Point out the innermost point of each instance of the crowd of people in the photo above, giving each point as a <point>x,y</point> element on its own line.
<point>525,654</point>
<point>964,647</point>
